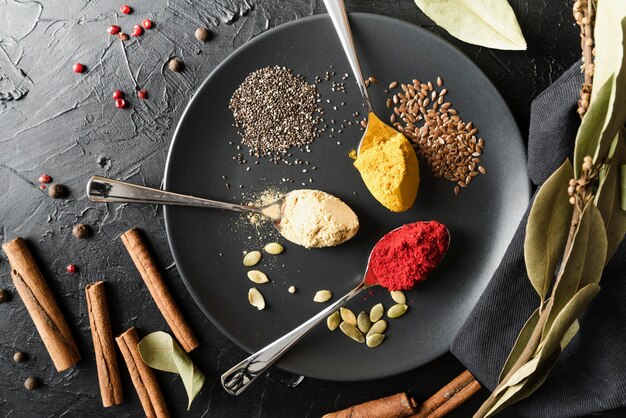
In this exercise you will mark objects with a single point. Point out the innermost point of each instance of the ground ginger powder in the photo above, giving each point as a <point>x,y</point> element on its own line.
<point>390,170</point>
<point>316,219</point>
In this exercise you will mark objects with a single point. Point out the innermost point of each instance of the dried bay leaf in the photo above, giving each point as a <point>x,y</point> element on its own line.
<point>160,351</point>
<point>588,135</point>
<point>610,64</point>
<point>490,23</point>
<point>610,197</point>
<point>522,341</point>
<point>547,229</point>
<point>622,171</point>
<point>583,264</point>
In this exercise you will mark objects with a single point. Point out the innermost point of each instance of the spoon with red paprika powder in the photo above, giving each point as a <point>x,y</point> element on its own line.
<point>399,260</point>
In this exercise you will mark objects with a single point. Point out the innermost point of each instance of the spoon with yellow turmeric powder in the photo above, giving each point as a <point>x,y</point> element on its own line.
<point>385,158</point>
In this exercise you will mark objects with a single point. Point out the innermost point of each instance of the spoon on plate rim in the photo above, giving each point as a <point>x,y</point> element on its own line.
<point>240,376</point>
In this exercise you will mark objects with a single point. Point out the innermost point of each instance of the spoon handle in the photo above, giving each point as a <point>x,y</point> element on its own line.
<point>337,11</point>
<point>237,379</point>
<point>102,189</point>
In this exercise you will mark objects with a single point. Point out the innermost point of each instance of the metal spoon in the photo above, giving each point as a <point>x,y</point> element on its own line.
<point>102,189</point>
<point>238,378</point>
<point>375,127</point>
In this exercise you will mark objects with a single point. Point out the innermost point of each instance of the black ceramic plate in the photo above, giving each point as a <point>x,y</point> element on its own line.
<point>208,244</point>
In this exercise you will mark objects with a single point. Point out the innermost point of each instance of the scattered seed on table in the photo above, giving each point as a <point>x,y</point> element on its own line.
<point>147,23</point>
<point>78,67</point>
<point>71,268</point>
<point>113,30</point>
<point>126,9</point>
<point>142,94</point>
<point>137,30</point>
<point>81,231</point>
<point>57,191</point>
<point>4,295</point>
<point>31,383</point>
<point>176,65</point>
<point>292,289</point>
<point>120,103</point>
<point>393,85</point>
<point>44,178</point>
<point>118,94</point>
<point>19,357</point>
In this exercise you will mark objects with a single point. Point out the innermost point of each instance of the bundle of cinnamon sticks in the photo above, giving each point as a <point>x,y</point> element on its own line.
<point>401,405</point>
<point>57,337</point>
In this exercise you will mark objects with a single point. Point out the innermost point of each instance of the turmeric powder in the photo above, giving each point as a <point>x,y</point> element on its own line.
<point>388,166</point>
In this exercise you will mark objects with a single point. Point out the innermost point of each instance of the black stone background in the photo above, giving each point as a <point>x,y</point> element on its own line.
<point>65,124</point>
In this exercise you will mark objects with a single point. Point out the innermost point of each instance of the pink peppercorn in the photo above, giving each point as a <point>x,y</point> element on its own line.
<point>146,23</point>
<point>118,94</point>
<point>120,103</point>
<point>142,94</point>
<point>71,268</point>
<point>137,30</point>
<point>78,67</point>
<point>113,30</point>
<point>126,9</point>
<point>44,178</point>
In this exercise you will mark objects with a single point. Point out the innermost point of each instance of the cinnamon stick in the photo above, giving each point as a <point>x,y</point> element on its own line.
<point>460,389</point>
<point>156,285</point>
<point>106,359</point>
<point>394,406</point>
<point>143,379</point>
<point>41,305</point>
<point>400,405</point>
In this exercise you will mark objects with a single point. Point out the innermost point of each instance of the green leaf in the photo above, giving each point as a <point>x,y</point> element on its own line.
<point>622,172</point>
<point>520,344</point>
<point>609,63</point>
<point>547,229</point>
<point>590,130</point>
<point>160,351</point>
<point>583,264</point>
<point>607,34</point>
<point>489,23</point>
<point>609,199</point>
<point>561,327</point>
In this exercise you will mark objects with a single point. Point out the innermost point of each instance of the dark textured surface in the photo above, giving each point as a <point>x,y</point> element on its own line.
<point>66,125</point>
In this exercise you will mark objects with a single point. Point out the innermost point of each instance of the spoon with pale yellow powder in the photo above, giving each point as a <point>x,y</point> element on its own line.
<point>385,159</point>
<point>310,218</point>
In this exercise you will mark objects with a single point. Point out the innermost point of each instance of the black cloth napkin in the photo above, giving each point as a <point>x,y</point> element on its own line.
<point>589,377</point>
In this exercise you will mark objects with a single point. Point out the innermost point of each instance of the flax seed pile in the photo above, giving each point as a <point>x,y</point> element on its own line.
<point>449,145</point>
<point>275,111</point>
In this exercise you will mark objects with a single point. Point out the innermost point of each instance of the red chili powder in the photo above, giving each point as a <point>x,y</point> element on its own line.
<point>407,255</point>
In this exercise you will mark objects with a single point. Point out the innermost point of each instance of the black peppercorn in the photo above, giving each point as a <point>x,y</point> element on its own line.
<point>19,357</point>
<point>4,295</point>
<point>57,191</point>
<point>81,231</point>
<point>31,383</point>
<point>203,34</point>
<point>176,65</point>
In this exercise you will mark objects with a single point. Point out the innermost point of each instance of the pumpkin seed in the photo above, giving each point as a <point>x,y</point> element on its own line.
<point>257,276</point>
<point>322,296</point>
<point>256,298</point>
<point>377,312</point>
<point>396,311</point>
<point>352,332</point>
<point>333,320</point>
<point>363,322</point>
<point>378,328</point>
<point>274,248</point>
<point>348,316</point>
<point>398,296</point>
<point>252,258</point>
<point>374,340</point>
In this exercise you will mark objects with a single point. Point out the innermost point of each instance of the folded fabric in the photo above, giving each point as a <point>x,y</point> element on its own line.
<point>589,377</point>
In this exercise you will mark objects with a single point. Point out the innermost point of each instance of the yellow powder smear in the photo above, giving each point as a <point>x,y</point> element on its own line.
<point>389,167</point>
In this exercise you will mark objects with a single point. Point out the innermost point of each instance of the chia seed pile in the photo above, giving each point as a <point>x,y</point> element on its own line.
<point>275,111</point>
